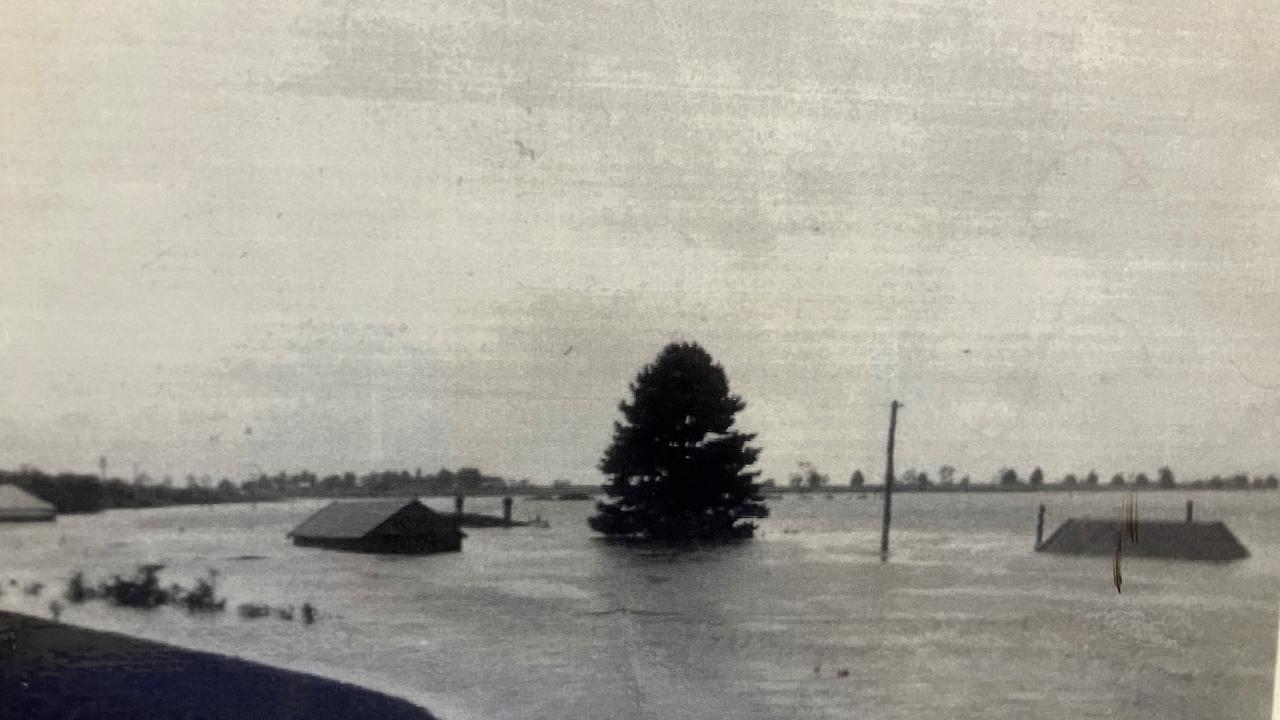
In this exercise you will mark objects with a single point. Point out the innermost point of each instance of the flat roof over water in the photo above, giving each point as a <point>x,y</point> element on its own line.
<point>1154,538</point>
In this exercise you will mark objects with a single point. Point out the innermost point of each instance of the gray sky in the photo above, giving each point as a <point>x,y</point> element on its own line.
<point>356,235</point>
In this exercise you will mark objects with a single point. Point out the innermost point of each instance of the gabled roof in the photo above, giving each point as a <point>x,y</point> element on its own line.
<point>351,519</point>
<point>13,497</point>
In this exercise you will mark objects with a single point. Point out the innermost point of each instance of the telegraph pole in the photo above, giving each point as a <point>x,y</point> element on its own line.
<point>888,483</point>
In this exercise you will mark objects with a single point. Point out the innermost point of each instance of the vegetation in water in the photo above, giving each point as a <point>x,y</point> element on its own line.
<point>253,611</point>
<point>143,590</point>
<point>203,597</point>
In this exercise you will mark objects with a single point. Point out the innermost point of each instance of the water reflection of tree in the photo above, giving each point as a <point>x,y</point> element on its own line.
<point>678,623</point>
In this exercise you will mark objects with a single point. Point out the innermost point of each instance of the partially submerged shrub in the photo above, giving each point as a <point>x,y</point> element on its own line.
<point>203,597</point>
<point>78,592</point>
<point>250,611</point>
<point>140,591</point>
<point>253,611</point>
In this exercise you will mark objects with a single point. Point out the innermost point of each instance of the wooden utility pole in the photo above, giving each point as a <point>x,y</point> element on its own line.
<point>888,482</point>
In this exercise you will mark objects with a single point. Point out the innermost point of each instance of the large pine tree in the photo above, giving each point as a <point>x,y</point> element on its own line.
<point>677,470</point>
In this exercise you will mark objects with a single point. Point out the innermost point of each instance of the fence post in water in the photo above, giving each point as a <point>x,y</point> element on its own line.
<point>888,483</point>
<point>1040,525</point>
<point>1189,507</point>
<point>457,504</point>
<point>506,510</point>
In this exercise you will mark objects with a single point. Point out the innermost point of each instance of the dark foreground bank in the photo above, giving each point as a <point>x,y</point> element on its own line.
<point>50,671</point>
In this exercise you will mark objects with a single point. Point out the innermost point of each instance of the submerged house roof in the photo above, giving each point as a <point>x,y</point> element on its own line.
<point>1155,538</point>
<point>350,518</point>
<point>18,504</point>
<point>381,525</point>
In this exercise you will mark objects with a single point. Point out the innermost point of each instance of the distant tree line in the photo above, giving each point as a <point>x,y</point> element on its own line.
<point>1008,477</point>
<point>79,493</point>
<point>467,481</point>
<point>809,478</point>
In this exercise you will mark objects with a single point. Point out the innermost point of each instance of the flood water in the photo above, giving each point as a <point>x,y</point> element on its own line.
<point>965,621</point>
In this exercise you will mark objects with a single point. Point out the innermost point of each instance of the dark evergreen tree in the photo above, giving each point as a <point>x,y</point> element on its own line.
<point>677,469</point>
<point>1037,477</point>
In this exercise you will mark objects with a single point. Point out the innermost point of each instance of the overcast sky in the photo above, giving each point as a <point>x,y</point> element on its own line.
<point>355,235</point>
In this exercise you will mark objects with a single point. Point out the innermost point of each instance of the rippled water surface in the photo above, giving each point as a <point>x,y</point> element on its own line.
<point>965,621</point>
